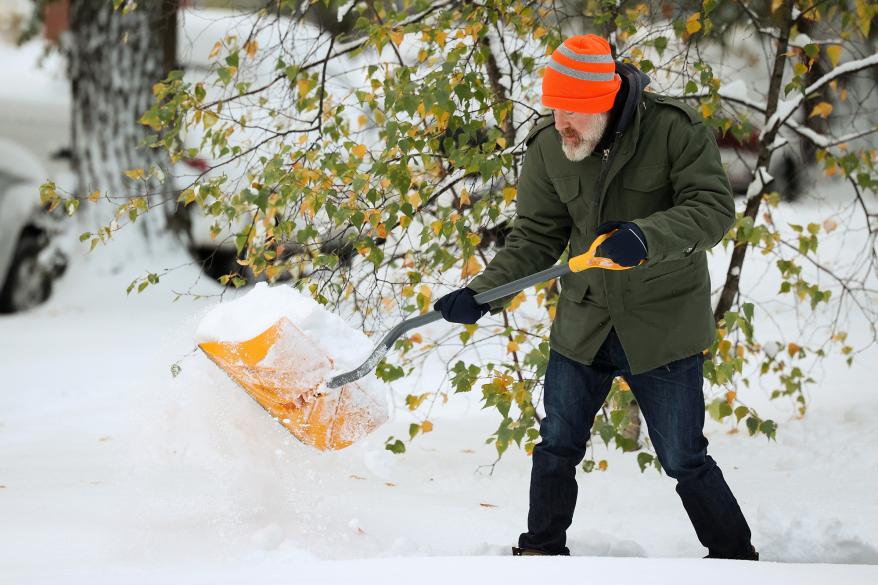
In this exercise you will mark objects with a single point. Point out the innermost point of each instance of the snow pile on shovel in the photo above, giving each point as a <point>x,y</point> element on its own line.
<point>282,347</point>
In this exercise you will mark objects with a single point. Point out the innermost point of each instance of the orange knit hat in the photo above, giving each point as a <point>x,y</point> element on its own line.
<point>581,76</point>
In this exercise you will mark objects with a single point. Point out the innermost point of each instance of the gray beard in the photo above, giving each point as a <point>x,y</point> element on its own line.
<point>587,142</point>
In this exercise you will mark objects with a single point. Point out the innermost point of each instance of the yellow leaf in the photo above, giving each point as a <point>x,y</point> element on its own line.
<point>307,208</point>
<point>362,120</point>
<point>209,118</point>
<point>426,294</point>
<point>724,346</point>
<point>730,397</point>
<point>464,197</point>
<point>407,291</point>
<point>501,142</point>
<point>135,174</point>
<point>426,426</point>
<point>516,301</point>
<point>552,312</point>
<point>440,37</point>
<point>417,338</point>
<point>93,196</point>
<point>471,267</point>
<point>396,36</point>
<point>304,85</point>
<point>436,226</point>
<point>509,194</point>
<point>693,23</point>
<point>540,32</point>
<point>442,120</point>
<point>707,109</point>
<point>602,464</point>
<point>250,48</point>
<point>511,347</point>
<point>359,150</point>
<point>473,238</point>
<point>215,50</point>
<point>834,52</point>
<point>823,109</point>
<point>793,349</point>
<point>623,385</point>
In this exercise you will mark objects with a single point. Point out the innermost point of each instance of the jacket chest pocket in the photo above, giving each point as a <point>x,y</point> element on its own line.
<point>646,178</point>
<point>569,192</point>
<point>646,189</point>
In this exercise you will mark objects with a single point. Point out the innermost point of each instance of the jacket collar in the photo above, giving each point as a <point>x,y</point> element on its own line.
<point>625,107</point>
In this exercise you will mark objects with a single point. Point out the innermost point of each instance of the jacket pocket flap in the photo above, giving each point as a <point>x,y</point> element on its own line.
<point>667,268</point>
<point>574,286</point>
<point>566,187</point>
<point>646,178</point>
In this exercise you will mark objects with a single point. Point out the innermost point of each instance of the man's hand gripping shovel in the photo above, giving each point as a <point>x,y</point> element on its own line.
<point>336,413</point>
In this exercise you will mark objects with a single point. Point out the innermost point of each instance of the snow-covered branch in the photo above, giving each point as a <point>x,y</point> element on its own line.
<point>785,108</point>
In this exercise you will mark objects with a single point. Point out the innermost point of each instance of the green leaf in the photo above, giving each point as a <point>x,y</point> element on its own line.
<point>396,446</point>
<point>644,459</point>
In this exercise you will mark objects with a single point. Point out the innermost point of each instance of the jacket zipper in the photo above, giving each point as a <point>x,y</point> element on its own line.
<point>606,160</point>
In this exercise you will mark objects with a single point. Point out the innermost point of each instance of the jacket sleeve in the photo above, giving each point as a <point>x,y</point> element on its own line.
<point>540,231</point>
<point>704,207</point>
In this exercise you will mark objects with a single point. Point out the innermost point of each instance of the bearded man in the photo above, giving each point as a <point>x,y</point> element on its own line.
<point>647,169</point>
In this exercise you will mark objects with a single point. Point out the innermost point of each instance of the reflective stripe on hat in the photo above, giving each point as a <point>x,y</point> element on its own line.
<point>584,75</point>
<point>584,57</point>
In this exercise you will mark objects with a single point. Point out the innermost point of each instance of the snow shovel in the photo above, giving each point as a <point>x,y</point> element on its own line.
<point>281,370</point>
<point>579,263</point>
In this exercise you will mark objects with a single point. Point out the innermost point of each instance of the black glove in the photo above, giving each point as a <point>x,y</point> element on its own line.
<point>626,247</point>
<point>460,306</point>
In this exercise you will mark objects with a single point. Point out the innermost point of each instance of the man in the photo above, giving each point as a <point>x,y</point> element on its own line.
<point>649,168</point>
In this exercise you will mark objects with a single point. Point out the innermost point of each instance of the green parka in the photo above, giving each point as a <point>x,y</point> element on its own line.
<point>664,173</point>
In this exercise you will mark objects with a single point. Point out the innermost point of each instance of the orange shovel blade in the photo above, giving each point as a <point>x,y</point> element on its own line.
<point>283,372</point>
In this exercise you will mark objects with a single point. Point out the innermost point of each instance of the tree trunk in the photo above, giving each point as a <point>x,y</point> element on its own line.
<point>733,274</point>
<point>114,60</point>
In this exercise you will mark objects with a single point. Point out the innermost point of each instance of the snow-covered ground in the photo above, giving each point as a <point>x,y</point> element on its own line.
<point>112,470</point>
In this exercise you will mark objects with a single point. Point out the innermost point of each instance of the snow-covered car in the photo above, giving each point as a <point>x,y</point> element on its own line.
<point>29,261</point>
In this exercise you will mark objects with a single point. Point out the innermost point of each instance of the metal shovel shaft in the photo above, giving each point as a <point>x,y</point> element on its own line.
<point>486,297</point>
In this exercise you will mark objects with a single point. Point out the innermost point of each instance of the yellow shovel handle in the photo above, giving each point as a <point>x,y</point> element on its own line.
<point>589,260</point>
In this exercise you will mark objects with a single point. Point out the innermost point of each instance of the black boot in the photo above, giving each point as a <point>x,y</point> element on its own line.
<point>521,552</point>
<point>750,555</point>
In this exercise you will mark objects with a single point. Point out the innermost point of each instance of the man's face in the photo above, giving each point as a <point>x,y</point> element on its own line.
<point>580,133</point>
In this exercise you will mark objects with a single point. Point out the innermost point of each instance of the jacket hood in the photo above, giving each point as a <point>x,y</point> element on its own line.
<point>636,81</point>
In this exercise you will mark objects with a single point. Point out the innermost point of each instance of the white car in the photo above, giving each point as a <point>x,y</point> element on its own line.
<point>29,262</point>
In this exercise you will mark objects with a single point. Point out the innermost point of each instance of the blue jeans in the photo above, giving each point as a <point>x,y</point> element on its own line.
<point>671,400</point>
